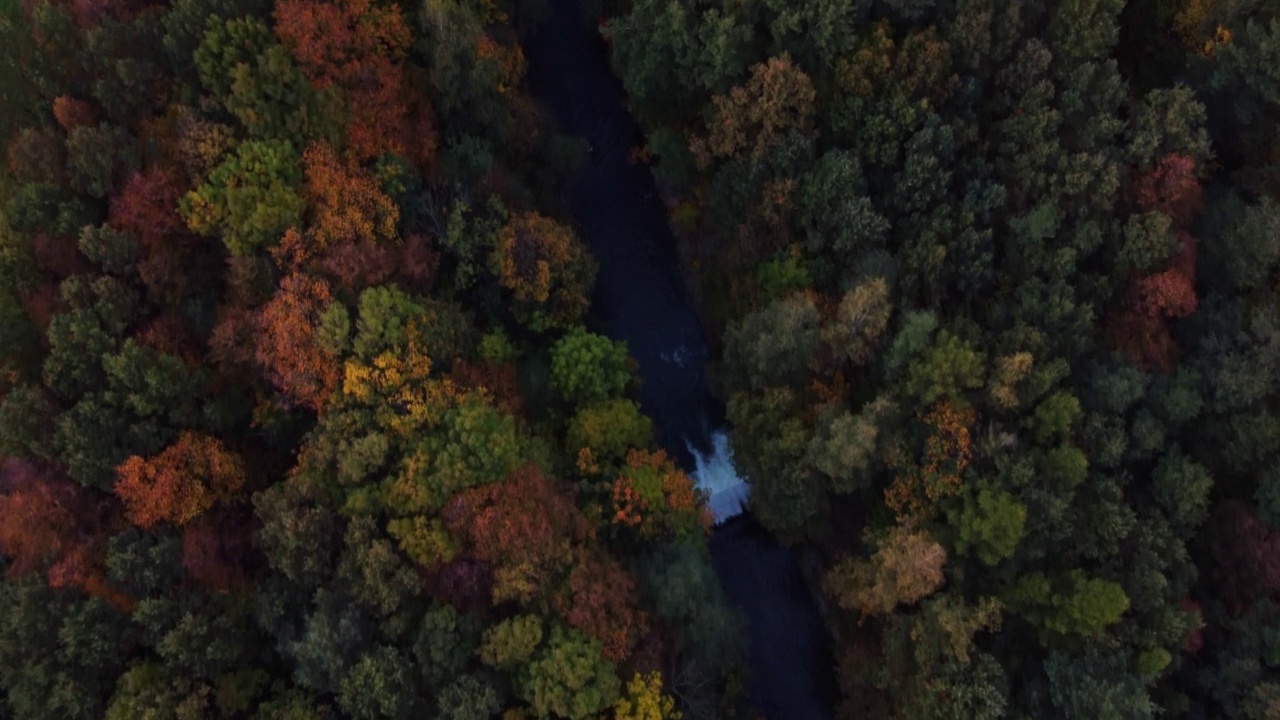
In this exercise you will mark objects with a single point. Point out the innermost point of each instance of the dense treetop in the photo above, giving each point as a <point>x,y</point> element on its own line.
<point>996,282</point>
<point>301,415</point>
<point>277,280</point>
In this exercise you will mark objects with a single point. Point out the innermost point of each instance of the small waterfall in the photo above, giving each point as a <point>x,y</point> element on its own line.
<point>714,473</point>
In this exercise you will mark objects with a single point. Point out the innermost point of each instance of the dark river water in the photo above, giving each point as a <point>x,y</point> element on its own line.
<point>639,299</point>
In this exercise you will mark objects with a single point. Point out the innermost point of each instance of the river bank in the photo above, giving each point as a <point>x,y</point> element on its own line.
<point>641,298</point>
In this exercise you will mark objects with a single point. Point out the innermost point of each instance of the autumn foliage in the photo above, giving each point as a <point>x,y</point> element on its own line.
<point>528,250</point>
<point>146,207</point>
<point>600,600</point>
<point>750,118</point>
<point>359,47</point>
<point>217,549</point>
<point>72,113</point>
<point>652,494</point>
<point>287,345</point>
<point>917,487</point>
<point>1172,188</point>
<point>1141,326</point>
<point>346,202</point>
<point>180,483</point>
<point>1246,555</point>
<point>37,516</point>
<point>499,381</point>
<point>524,526</point>
<point>546,269</point>
<point>50,524</point>
<point>906,567</point>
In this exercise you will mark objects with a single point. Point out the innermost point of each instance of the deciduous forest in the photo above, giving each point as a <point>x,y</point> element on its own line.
<point>304,413</point>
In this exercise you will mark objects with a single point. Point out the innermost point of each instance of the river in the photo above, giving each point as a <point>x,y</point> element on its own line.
<point>639,299</point>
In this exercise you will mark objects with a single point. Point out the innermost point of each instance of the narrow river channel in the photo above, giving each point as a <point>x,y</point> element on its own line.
<point>639,299</point>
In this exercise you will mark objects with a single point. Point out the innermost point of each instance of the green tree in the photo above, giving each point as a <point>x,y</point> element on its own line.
<point>990,523</point>
<point>1070,603</point>
<point>945,369</point>
<point>1055,417</point>
<point>378,686</point>
<point>257,81</point>
<point>844,445</point>
<point>511,643</point>
<point>588,368</point>
<point>774,346</point>
<point>150,690</point>
<point>60,653</point>
<point>469,698</point>
<point>446,642</point>
<point>1181,487</point>
<point>569,678</point>
<point>249,199</point>
<point>608,429</point>
<point>99,157</point>
<point>1096,684</point>
<point>770,446</point>
<point>386,315</point>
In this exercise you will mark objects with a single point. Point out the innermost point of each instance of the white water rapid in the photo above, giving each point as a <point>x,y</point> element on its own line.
<point>714,473</point>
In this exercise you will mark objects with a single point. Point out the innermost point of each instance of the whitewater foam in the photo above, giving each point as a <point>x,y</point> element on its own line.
<point>727,494</point>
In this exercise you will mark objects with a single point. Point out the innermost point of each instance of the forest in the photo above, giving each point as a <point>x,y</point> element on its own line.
<point>305,413</point>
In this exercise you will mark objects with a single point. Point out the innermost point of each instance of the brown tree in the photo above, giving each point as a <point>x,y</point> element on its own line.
<point>72,113</point>
<point>906,567</point>
<point>345,200</point>
<point>776,98</point>
<point>918,486</point>
<point>546,268</point>
<point>287,345</point>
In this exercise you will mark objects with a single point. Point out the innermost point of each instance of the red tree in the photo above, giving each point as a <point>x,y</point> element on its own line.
<point>525,527</point>
<point>41,303</point>
<point>600,600</point>
<point>1141,327</point>
<point>232,344</point>
<point>418,262</point>
<point>463,583</point>
<point>500,381</point>
<point>146,207</point>
<point>1172,188</point>
<point>50,524</point>
<point>171,334</point>
<point>358,47</point>
<point>1246,554</point>
<point>37,516</point>
<point>353,265</point>
<point>59,255</point>
<point>180,483</point>
<point>217,549</point>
